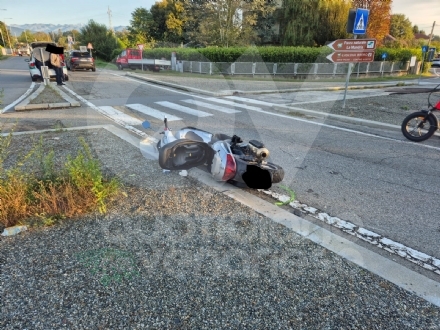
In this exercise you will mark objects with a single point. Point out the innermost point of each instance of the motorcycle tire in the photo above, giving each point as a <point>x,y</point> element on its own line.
<point>413,126</point>
<point>276,171</point>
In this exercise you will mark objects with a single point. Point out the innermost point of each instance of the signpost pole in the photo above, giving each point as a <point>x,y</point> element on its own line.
<point>347,79</point>
<point>423,61</point>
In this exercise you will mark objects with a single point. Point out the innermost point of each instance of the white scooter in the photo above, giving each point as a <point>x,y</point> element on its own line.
<point>226,158</point>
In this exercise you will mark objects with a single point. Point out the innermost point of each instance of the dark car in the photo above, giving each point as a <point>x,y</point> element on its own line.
<point>76,59</point>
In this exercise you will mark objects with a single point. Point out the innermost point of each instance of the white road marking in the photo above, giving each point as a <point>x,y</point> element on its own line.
<point>210,106</point>
<point>113,118</point>
<point>181,108</point>
<point>152,112</point>
<point>298,119</point>
<point>9,106</point>
<point>234,104</point>
<point>121,116</point>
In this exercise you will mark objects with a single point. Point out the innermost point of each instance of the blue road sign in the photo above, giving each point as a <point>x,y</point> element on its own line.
<point>424,49</point>
<point>361,20</point>
<point>384,55</point>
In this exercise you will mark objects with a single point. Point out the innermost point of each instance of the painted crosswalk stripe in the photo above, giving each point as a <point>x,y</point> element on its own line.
<point>181,108</point>
<point>152,112</point>
<point>234,104</point>
<point>210,106</point>
<point>120,116</point>
<point>243,99</point>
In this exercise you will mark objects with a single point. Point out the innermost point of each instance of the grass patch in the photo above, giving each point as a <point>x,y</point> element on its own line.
<point>105,65</point>
<point>36,193</point>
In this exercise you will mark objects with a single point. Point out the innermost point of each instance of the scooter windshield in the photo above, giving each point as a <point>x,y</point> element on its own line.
<point>184,154</point>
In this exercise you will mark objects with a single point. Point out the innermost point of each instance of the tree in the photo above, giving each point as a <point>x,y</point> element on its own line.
<point>300,22</point>
<point>103,41</point>
<point>401,28</point>
<point>379,18</point>
<point>226,22</point>
<point>140,29</point>
<point>169,21</point>
<point>4,40</point>
<point>26,36</point>
<point>333,20</point>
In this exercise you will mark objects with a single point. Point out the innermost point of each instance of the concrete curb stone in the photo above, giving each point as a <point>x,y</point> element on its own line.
<point>24,105</point>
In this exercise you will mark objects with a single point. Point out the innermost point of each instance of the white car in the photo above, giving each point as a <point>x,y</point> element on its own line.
<point>38,52</point>
<point>435,63</point>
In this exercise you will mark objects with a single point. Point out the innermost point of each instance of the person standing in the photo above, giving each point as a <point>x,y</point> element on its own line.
<point>56,62</point>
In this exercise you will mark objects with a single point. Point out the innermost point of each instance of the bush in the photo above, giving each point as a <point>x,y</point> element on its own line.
<point>269,54</point>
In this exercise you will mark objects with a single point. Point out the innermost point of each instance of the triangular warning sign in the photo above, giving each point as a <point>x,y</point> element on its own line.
<point>360,25</point>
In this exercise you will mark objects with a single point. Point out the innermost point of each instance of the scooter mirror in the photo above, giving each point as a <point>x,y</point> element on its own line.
<point>146,124</point>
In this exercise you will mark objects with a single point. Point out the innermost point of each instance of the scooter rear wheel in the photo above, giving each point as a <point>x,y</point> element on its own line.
<point>419,126</point>
<point>276,171</point>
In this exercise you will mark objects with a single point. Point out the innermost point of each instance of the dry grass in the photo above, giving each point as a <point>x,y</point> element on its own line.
<point>45,195</point>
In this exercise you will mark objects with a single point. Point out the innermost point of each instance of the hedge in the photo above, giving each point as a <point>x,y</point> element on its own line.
<point>270,54</point>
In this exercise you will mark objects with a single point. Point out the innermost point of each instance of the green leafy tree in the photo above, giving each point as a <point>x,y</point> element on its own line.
<point>266,23</point>
<point>26,36</point>
<point>401,28</point>
<point>103,40</point>
<point>141,26</point>
<point>227,22</point>
<point>300,22</point>
<point>5,32</point>
<point>169,21</point>
<point>333,21</point>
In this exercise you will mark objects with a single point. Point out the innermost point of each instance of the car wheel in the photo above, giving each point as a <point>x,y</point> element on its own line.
<point>93,69</point>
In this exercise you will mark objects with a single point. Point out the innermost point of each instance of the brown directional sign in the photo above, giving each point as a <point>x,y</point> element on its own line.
<point>353,44</point>
<point>350,56</point>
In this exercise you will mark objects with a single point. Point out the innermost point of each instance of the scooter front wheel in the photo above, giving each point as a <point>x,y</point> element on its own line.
<point>419,126</point>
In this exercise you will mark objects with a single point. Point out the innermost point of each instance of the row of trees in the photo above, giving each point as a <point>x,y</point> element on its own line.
<point>224,23</point>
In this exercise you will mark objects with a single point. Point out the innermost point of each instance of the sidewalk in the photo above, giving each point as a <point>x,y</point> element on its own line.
<point>179,253</point>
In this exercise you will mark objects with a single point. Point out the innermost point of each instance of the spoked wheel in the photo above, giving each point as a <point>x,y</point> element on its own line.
<point>419,126</point>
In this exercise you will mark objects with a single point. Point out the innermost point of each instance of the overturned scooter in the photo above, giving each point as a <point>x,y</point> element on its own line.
<point>226,158</point>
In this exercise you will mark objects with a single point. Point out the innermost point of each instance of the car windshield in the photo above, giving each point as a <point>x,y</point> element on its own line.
<point>80,54</point>
<point>220,164</point>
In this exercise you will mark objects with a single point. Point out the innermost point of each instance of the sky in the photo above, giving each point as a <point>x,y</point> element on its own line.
<point>422,13</point>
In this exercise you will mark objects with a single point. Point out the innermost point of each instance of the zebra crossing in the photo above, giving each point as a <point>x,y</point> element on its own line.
<point>174,111</point>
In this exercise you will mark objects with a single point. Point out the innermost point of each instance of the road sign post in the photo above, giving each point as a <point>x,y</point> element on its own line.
<point>424,51</point>
<point>349,51</point>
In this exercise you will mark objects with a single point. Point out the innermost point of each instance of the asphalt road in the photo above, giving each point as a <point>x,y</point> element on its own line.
<point>388,186</point>
<point>14,79</point>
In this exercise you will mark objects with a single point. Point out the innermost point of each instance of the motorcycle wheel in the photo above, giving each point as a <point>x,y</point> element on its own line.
<point>276,171</point>
<point>419,126</point>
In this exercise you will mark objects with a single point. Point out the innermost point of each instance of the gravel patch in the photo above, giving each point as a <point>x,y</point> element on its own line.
<point>48,95</point>
<point>175,254</point>
<point>391,109</point>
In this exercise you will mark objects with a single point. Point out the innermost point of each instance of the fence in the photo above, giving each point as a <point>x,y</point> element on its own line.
<point>294,69</point>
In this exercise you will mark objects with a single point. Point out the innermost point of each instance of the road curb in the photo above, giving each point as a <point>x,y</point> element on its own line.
<point>25,104</point>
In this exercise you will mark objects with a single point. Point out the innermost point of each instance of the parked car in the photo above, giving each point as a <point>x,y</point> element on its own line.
<point>38,52</point>
<point>76,59</point>
<point>435,63</point>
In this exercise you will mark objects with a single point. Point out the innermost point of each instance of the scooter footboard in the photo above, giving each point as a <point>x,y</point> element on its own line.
<point>184,154</point>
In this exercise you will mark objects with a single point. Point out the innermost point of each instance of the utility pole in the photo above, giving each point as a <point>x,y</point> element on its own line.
<point>431,35</point>
<point>109,12</point>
